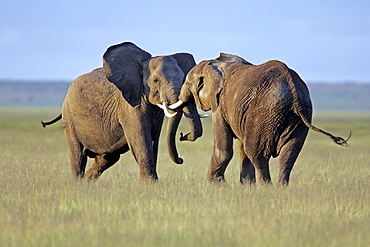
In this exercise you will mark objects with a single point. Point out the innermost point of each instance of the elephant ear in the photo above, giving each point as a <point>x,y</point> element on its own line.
<point>214,81</point>
<point>229,58</point>
<point>185,61</point>
<point>122,66</point>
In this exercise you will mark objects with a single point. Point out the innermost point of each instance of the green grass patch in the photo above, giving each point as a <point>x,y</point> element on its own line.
<point>326,204</point>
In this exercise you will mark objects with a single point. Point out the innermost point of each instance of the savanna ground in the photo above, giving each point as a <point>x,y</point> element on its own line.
<point>326,203</point>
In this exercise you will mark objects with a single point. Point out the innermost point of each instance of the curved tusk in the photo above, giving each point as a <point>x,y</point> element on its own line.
<point>200,115</point>
<point>161,106</point>
<point>174,106</point>
<point>164,107</point>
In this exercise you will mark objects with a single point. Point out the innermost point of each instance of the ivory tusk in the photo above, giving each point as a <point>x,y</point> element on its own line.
<point>174,106</point>
<point>200,115</point>
<point>161,106</point>
<point>164,107</point>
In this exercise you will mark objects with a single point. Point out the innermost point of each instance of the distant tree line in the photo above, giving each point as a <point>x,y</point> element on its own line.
<point>325,96</point>
<point>32,93</point>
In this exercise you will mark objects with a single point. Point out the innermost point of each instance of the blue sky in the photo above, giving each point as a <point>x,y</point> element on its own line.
<point>60,40</point>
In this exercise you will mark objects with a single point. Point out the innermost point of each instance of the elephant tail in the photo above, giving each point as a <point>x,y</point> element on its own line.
<point>300,107</point>
<point>56,119</point>
<point>337,139</point>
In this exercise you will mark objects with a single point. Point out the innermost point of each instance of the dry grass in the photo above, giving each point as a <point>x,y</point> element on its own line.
<point>326,204</point>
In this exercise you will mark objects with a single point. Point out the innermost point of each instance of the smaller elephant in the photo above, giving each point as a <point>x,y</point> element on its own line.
<point>121,107</point>
<point>266,107</point>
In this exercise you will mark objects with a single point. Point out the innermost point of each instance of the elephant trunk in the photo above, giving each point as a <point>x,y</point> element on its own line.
<point>196,130</point>
<point>187,100</point>
<point>192,116</point>
<point>185,94</point>
<point>173,124</point>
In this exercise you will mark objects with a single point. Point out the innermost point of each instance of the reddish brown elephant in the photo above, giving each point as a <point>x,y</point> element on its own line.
<point>121,107</point>
<point>266,107</point>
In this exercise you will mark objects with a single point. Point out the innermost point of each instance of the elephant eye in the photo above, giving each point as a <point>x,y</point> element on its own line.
<point>156,80</point>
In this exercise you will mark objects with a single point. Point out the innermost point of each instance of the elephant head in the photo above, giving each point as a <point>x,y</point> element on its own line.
<point>158,79</point>
<point>205,81</point>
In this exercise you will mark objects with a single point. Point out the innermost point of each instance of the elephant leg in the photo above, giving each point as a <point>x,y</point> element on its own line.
<point>78,158</point>
<point>143,148</point>
<point>289,154</point>
<point>155,139</point>
<point>147,165</point>
<point>261,166</point>
<point>247,172</point>
<point>101,163</point>
<point>222,149</point>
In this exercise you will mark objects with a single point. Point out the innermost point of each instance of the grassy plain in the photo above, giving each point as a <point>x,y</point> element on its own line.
<point>326,204</point>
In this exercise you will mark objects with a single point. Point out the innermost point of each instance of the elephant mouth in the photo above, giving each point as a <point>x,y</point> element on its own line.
<point>166,108</point>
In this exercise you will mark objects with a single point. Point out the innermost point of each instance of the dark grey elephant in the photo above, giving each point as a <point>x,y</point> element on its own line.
<point>117,108</point>
<point>266,107</point>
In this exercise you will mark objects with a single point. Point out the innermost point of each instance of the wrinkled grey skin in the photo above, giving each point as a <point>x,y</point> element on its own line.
<point>266,107</point>
<point>112,110</point>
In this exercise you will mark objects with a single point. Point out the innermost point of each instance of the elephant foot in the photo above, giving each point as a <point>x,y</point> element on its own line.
<point>217,180</point>
<point>283,183</point>
<point>148,174</point>
<point>148,181</point>
<point>266,183</point>
<point>220,183</point>
<point>248,181</point>
<point>78,177</point>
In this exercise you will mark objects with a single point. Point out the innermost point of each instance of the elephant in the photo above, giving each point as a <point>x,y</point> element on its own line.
<point>266,108</point>
<point>121,107</point>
